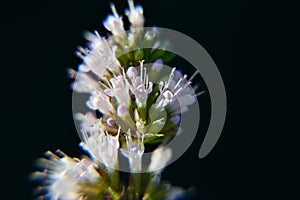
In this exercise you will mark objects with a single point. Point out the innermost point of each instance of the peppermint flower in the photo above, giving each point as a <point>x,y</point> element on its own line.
<point>102,146</point>
<point>141,86</point>
<point>176,87</point>
<point>135,15</point>
<point>83,83</point>
<point>65,176</point>
<point>100,56</point>
<point>114,23</point>
<point>88,121</point>
<point>100,101</point>
<point>132,100</point>
<point>119,89</point>
<point>134,152</point>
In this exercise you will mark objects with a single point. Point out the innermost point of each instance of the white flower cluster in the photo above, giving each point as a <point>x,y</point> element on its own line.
<point>121,93</point>
<point>134,106</point>
<point>64,176</point>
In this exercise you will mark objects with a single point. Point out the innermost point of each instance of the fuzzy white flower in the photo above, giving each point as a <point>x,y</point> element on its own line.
<point>114,23</point>
<point>100,57</point>
<point>119,89</point>
<point>100,101</point>
<point>135,15</point>
<point>176,87</point>
<point>134,151</point>
<point>88,122</point>
<point>102,146</point>
<point>65,176</point>
<point>83,82</point>
<point>132,100</point>
<point>140,85</point>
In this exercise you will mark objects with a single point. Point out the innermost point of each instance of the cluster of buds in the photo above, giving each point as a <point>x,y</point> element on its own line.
<point>136,103</point>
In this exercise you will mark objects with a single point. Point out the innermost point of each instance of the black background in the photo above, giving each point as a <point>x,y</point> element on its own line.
<point>255,157</point>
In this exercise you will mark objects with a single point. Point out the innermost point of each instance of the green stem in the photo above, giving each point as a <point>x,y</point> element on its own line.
<point>114,194</point>
<point>115,180</point>
<point>137,181</point>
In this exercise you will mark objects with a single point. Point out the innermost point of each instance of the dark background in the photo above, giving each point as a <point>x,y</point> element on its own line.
<point>249,41</point>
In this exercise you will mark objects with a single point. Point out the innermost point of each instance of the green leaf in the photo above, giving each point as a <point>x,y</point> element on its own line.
<point>138,55</point>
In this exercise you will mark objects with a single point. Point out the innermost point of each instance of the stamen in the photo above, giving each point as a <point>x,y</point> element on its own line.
<point>58,151</point>
<point>49,153</point>
<point>189,83</point>
<point>123,71</point>
<point>113,9</point>
<point>83,50</point>
<point>96,32</point>
<point>104,85</point>
<point>178,91</point>
<point>178,83</point>
<point>107,81</point>
<point>199,93</point>
<point>193,76</point>
<point>147,82</point>
<point>145,75</point>
<point>107,136</point>
<point>131,5</point>
<point>119,130</point>
<point>79,54</point>
<point>142,66</point>
<point>170,77</point>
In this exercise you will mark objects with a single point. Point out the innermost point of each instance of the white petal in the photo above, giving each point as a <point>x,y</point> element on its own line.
<point>159,159</point>
<point>168,94</point>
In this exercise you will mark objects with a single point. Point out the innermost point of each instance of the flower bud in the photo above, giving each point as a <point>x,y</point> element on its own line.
<point>175,119</point>
<point>122,111</point>
<point>110,121</point>
<point>132,72</point>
